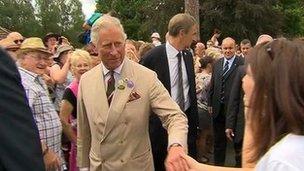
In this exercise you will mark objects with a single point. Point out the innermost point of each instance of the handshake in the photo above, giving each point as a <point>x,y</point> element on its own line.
<point>178,160</point>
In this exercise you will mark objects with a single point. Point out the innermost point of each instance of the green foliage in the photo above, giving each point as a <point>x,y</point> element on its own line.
<point>18,15</point>
<point>240,18</point>
<point>59,16</point>
<point>236,18</point>
<point>293,11</point>
<point>63,17</point>
<point>142,17</point>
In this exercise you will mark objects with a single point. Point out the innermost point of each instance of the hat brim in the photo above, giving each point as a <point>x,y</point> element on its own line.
<point>51,35</point>
<point>12,47</point>
<point>36,50</point>
<point>56,55</point>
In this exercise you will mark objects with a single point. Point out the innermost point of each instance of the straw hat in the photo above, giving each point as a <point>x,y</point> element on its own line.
<point>34,44</point>
<point>61,49</point>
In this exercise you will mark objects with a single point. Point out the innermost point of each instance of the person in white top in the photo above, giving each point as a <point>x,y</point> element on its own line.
<point>273,86</point>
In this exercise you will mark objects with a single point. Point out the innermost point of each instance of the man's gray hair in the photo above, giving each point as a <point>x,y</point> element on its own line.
<point>264,38</point>
<point>104,22</point>
<point>181,21</point>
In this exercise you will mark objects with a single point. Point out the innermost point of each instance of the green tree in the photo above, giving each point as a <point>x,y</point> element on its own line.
<point>293,11</point>
<point>142,17</point>
<point>240,18</point>
<point>63,17</point>
<point>18,15</point>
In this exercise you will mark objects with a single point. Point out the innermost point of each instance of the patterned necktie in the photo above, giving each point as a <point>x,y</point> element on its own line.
<point>180,92</point>
<point>225,71</point>
<point>111,87</point>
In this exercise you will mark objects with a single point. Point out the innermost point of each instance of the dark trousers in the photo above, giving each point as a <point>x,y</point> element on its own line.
<point>238,153</point>
<point>220,140</point>
<point>159,142</point>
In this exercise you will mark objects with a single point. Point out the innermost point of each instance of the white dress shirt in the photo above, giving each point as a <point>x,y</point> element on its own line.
<point>230,62</point>
<point>173,70</point>
<point>107,75</point>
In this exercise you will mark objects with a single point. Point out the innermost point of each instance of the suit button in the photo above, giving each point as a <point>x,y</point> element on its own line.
<point>122,161</point>
<point>121,142</point>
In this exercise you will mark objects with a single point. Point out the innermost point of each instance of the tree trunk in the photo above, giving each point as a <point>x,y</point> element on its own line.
<point>192,7</point>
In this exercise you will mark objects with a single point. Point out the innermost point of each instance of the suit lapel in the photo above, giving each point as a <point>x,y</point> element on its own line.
<point>232,68</point>
<point>189,64</point>
<point>164,68</point>
<point>100,98</point>
<point>120,98</point>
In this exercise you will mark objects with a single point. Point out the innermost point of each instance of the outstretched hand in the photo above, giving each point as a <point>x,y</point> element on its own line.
<point>174,160</point>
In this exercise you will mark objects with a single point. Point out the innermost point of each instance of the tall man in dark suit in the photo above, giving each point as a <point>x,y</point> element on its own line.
<point>235,122</point>
<point>235,112</point>
<point>220,86</point>
<point>20,143</point>
<point>174,67</point>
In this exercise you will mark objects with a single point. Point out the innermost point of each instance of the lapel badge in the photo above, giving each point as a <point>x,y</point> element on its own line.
<point>121,87</point>
<point>130,84</point>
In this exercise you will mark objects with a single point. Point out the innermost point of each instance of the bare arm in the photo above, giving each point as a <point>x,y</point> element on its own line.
<point>195,166</point>
<point>65,112</point>
<point>58,74</point>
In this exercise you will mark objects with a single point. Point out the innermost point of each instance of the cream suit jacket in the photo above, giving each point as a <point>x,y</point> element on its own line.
<point>115,137</point>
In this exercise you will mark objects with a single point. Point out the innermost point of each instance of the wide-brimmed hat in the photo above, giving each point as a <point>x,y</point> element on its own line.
<point>49,35</point>
<point>9,44</point>
<point>61,49</point>
<point>34,44</point>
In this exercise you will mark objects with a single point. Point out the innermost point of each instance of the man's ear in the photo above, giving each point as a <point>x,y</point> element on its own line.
<point>182,32</point>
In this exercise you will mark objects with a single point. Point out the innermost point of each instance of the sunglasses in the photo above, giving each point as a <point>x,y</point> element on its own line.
<point>18,41</point>
<point>94,54</point>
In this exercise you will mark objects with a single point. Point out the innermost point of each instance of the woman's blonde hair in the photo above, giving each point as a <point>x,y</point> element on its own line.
<point>80,54</point>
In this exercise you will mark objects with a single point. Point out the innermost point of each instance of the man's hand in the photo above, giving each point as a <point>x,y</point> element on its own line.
<point>174,160</point>
<point>229,134</point>
<point>192,165</point>
<point>210,110</point>
<point>51,161</point>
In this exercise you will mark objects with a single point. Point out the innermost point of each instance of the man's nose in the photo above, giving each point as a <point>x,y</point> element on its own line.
<point>114,49</point>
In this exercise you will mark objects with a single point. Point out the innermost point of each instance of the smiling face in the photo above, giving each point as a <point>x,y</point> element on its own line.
<point>228,48</point>
<point>81,66</point>
<point>36,62</point>
<point>111,47</point>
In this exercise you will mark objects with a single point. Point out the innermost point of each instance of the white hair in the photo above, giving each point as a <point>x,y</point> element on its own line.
<point>104,22</point>
<point>264,38</point>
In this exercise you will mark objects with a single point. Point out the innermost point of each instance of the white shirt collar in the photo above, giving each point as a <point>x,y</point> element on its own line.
<point>117,70</point>
<point>171,51</point>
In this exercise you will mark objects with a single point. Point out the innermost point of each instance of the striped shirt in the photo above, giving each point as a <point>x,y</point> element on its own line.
<point>45,116</point>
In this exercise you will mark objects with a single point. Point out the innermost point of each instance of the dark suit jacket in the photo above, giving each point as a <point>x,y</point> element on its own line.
<point>235,109</point>
<point>216,83</point>
<point>20,147</point>
<point>156,60</point>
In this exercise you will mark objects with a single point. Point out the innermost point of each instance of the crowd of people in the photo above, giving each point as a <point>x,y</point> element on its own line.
<point>121,104</point>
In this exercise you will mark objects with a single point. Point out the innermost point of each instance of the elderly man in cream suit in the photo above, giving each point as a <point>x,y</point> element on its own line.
<point>114,103</point>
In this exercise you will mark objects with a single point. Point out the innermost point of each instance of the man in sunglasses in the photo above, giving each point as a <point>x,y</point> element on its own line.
<point>16,37</point>
<point>10,47</point>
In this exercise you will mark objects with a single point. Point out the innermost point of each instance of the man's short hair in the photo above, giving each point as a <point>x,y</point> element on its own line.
<point>104,22</point>
<point>180,22</point>
<point>245,41</point>
<point>264,38</point>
